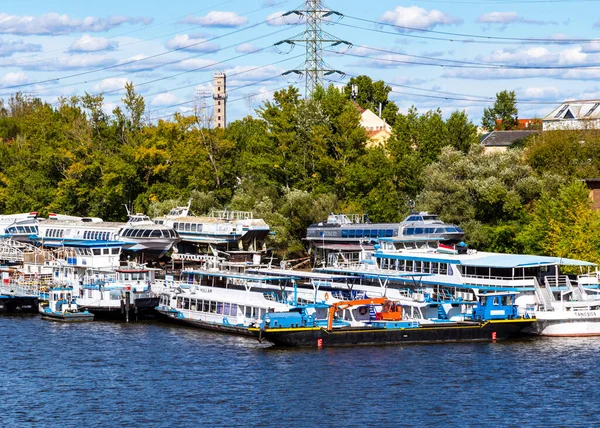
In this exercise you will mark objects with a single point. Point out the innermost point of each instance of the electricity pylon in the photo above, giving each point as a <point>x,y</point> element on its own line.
<point>315,68</point>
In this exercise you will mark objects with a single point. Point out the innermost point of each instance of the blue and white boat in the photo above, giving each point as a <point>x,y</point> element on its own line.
<point>62,306</point>
<point>564,304</point>
<point>224,301</point>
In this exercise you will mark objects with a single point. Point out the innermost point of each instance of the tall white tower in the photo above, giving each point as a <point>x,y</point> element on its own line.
<point>220,97</point>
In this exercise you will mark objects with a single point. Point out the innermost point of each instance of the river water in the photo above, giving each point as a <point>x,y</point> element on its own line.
<point>154,374</point>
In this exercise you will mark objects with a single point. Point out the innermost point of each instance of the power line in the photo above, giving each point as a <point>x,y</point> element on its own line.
<point>491,64</point>
<point>475,65</point>
<point>474,36</point>
<point>231,101</point>
<point>127,73</point>
<point>109,67</point>
<point>146,27</point>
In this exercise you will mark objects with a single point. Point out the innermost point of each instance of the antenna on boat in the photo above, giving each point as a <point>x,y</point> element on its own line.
<point>127,209</point>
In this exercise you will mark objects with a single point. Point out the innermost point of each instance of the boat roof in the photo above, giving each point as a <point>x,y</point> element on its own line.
<point>374,273</point>
<point>80,243</point>
<point>298,274</point>
<point>237,275</point>
<point>483,259</point>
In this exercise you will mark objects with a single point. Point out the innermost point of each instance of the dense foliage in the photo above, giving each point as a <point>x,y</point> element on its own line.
<point>297,161</point>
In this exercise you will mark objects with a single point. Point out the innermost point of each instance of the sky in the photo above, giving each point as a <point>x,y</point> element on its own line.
<point>447,54</point>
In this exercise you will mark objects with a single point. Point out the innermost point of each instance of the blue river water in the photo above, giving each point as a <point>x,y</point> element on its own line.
<point>154,374</point>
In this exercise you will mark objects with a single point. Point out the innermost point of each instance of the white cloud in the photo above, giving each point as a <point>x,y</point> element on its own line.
<point>12,79</point>
<point>54,23</point>
<point>190,43</point>
<point>417,17</point>
<point>505,18</point>
<point>246,73</point>
<point>540,93</point>
<point>277,18</point>
<point>7,48</point>
<point>194,64</point>
<point>110,84</point>
<point>75,62</point>
<point>246,48</point>
<point>591,47</point>
<point>164,99</point>
<point>216,19</point>
<point>87,43</point>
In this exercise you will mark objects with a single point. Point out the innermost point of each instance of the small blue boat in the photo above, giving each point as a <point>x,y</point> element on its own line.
<point>62,306</point>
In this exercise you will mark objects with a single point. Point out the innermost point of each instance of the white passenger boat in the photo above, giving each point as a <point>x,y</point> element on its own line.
<point>564,304</point>
<point>220,230</point>
<point>224,301</point>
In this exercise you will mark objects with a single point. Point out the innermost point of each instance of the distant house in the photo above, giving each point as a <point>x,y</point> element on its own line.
<point>574,115</point>
<point>594,185</point>
<point>524,124</point>
<point>377,129</point>
<point>499,141</point>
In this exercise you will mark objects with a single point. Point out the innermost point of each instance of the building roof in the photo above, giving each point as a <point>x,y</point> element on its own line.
<point>575,109</point>
<point>505,138</point>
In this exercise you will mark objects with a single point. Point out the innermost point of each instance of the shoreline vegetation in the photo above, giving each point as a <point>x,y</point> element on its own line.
<point>296,161</point>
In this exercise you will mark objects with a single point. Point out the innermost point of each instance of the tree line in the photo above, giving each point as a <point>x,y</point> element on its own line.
<point>295,162</point>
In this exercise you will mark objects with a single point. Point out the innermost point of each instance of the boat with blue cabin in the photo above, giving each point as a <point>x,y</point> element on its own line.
<point>494,317</point>
<point>62,306</point>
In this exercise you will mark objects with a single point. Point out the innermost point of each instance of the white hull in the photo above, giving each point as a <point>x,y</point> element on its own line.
<point>567,323</point>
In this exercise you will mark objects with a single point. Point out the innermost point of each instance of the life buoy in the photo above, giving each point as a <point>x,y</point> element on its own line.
<point>326,296</point>
<point>363,310</point>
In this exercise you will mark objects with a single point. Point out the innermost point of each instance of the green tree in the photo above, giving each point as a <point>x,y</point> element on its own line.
<point>503,115</point>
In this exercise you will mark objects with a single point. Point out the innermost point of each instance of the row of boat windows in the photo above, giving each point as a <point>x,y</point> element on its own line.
<point>22,229</point>
<point>148,233</point>
<point>104,236</point>
<point>367,233</point>
<point>188,227</point>
<point>214,307</point>
<point>416,266</point>
<point>54,233</point>
<point>431,230</point>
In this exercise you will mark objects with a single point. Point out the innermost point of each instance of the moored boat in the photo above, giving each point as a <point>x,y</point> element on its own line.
<point>494,318</point>
<point>62,306</point>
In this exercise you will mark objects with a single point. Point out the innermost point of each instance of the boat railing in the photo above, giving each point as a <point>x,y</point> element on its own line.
<point>499,278</point>
<point>20,288</point>
<point>544,294</point>
<point>232,215</point>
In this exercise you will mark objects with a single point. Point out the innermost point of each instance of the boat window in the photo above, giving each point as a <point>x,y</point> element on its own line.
<point>115,251</point>
<point>418,230</point>
<point>193,227</point>
<point>381,233</point>
<point>105,251</point>
<point>458,229</point>
<point>351,233</point>
<point>409,231</point>
<point>156,233</point>
<point>389,233</point>
<point>206,306</point>
<point>226,307</point>
<point>234,310</point>
<point>186,303</point>
<point>450,229</point>
<point>187,227</point>
<point>344,233</point>
<point>97,251</point>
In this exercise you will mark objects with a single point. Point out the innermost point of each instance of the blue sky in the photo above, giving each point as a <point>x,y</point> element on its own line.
<point>451,54</point>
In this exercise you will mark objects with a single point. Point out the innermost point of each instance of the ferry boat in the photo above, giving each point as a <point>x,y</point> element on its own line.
<point>17,296</point>
<point>351,233</point>
<point>537,279</point>
<point>495,317</point>
<point>138,234</point>
<point>224,301</point>
<point>62,306</point>
<point>19,227</point>
<point>219,230</point>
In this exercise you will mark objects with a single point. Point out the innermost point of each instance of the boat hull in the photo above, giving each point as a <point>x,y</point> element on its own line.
<point>357,336</point>
<point>171,316</point>
<point>67,317</point>
<point>141,309</point>
<point>567,327</point>
<point>18,304</point>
